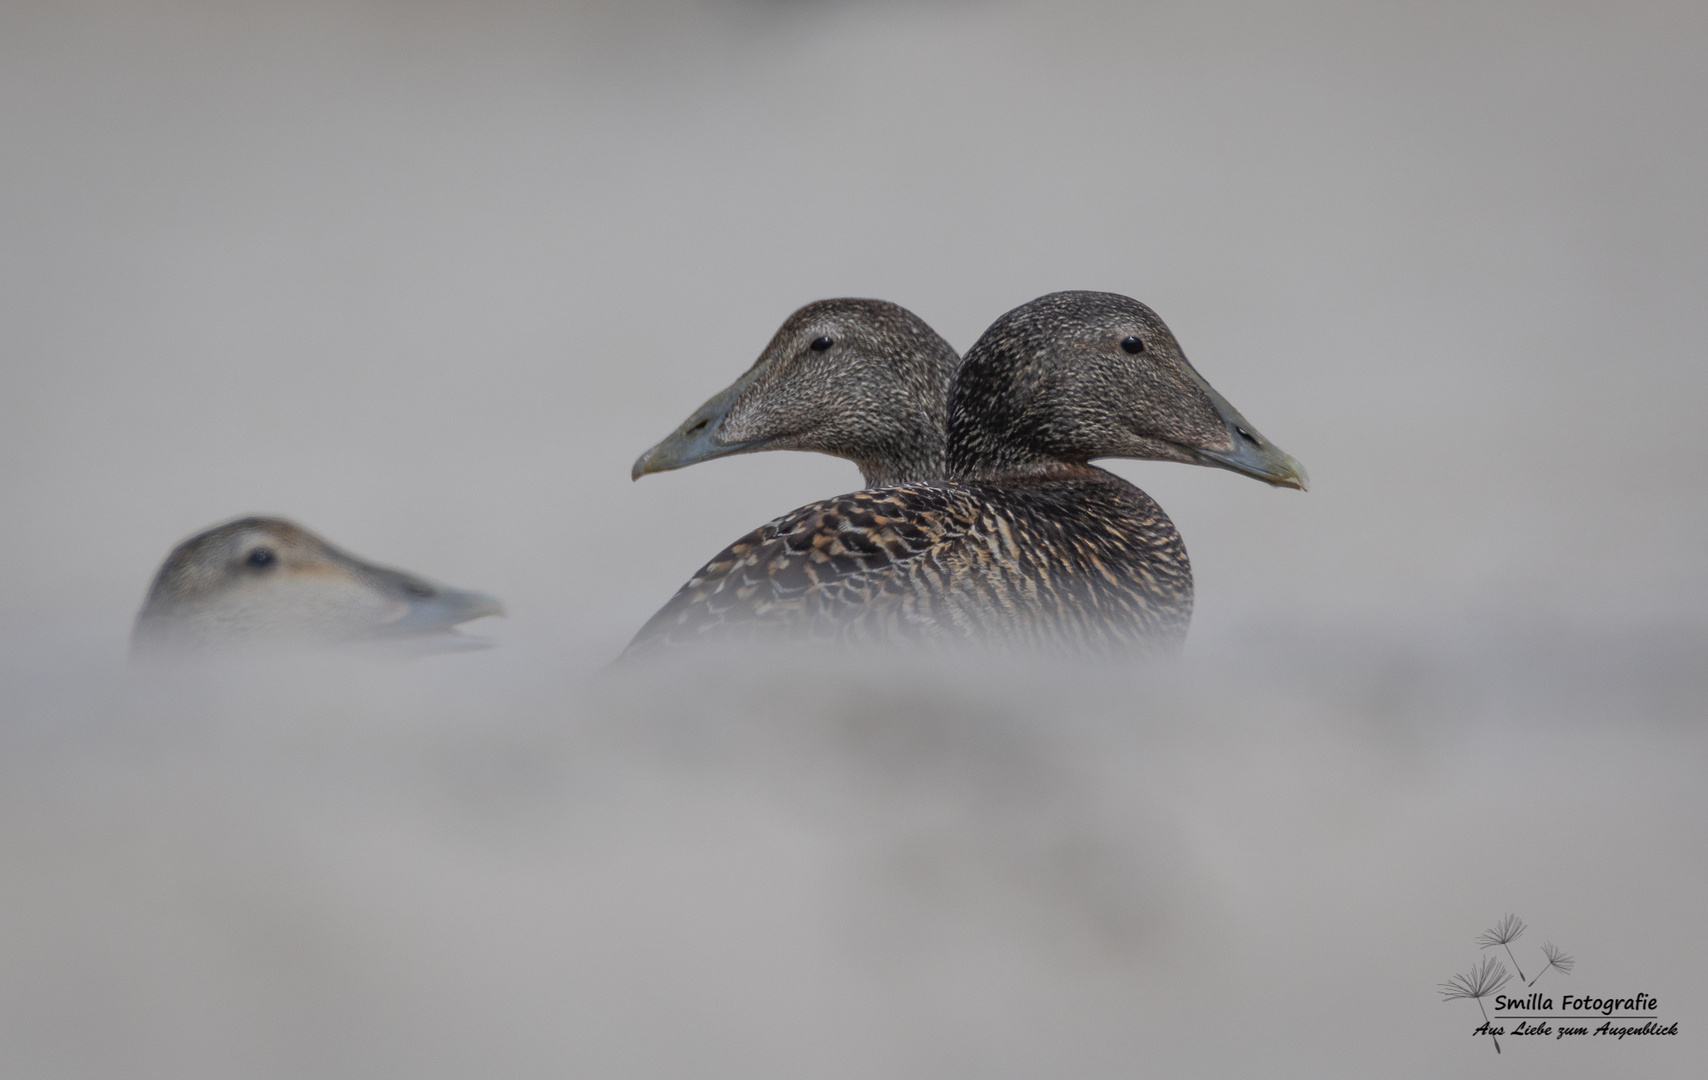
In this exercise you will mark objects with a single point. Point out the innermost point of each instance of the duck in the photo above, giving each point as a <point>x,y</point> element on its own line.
<point>266,581</point>
<point>1024,544</point>
<point>861,379</point>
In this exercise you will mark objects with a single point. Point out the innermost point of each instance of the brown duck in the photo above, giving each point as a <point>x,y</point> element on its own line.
<point>1027,545</point>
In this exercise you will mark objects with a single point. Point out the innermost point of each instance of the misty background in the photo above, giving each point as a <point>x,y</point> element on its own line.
<point>427,278</point>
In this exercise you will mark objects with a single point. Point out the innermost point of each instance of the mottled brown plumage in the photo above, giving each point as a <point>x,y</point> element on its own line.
<point>1078,562</point>
<point>865,380</point>
<point>1028,545</point>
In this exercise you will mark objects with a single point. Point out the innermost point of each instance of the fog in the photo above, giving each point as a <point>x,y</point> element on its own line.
<point>426,278</point>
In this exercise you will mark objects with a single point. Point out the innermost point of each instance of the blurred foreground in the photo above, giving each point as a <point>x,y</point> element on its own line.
<point>1260,860</point>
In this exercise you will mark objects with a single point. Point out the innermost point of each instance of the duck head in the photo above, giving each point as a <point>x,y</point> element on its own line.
<point>267,581</point>
<point>865,380</point>
<point>1075,376</point>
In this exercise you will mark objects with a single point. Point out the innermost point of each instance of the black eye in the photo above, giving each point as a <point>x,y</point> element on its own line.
<point>261,558</point>
<point>1132,345</point>
<point>1246,435</point>
<point>821,344</point>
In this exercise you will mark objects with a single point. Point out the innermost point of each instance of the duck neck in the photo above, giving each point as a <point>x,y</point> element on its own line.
<point>987,434</point>
<point>891,452</point>
<point>916,462</point>
<point>976,452</point>
<point>1028,472</point>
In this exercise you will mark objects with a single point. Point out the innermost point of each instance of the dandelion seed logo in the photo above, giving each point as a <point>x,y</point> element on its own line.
<point>1557,961</point>
<point>1504,933</point>
<point>1531,1013</point>
<point>1485,977</point>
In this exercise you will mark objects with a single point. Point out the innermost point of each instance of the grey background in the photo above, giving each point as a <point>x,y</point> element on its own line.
<point>426,278</point>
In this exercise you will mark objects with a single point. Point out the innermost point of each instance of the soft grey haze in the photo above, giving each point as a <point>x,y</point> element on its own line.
<point>426,278</point>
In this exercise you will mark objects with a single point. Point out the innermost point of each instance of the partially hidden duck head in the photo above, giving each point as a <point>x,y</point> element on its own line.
<point>261,581</point>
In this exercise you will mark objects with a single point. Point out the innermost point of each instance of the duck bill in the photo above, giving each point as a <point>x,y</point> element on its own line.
<point>454,606</point>
<point>429,626</point>
<point>696,440</point>
<point>1250,454</point>
<point>441,611</point>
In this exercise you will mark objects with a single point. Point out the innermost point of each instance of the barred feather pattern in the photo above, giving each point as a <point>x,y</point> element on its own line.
<point>1079,562</point>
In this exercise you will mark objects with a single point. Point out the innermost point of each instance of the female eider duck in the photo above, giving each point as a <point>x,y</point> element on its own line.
<point>265,581</point>
<point>865,380</point>
<point>1027,545</point>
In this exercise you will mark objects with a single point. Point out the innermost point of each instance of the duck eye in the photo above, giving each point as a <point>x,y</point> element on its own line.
<point>1132,345</point>
<point>261,558</point>
<point>821,344</point>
